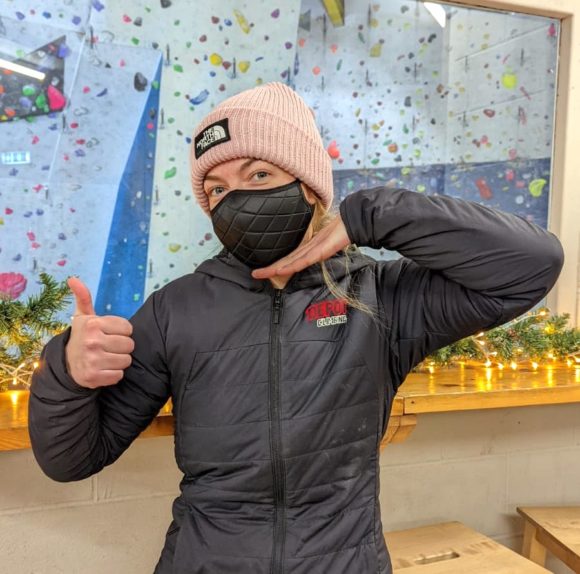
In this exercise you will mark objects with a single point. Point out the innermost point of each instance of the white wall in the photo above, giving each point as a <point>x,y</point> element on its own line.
<point>475,467</point>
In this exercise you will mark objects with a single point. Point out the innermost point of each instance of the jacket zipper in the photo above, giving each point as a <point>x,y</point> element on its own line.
<point>275,432</point>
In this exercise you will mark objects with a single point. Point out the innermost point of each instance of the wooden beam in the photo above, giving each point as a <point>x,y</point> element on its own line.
<point>398,429</point>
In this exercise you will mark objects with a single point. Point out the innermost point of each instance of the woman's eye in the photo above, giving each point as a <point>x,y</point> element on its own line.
<point>265,173</point>
<point>216,190</point>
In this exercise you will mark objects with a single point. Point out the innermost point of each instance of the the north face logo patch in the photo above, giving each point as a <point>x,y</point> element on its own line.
<point>325,313</point>
<point>213,135</point>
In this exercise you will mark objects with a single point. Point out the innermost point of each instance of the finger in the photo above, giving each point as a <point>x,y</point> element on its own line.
<point>286,265</point>
<point>114,361</point>
<point>114,325</point>
<point>316,240</point>
<point>271,270</point>
<point>319,243</point>
<point>110,377</point>
<point>82,295</point>
<point>320,251</point>
<point>118,344</point>
<point>315,255</point>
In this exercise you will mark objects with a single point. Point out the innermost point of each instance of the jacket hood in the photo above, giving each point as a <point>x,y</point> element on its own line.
<point>225,266</point>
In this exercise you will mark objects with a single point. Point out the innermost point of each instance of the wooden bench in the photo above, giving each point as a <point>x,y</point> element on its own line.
<point>452,547</point>
<point>553,528</point>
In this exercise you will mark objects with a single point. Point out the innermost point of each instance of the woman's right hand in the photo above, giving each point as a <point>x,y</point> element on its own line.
<point>328,241</point>
<point>99,348</point>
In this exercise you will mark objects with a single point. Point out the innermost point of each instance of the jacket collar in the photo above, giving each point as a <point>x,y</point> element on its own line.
<point>225,266</point>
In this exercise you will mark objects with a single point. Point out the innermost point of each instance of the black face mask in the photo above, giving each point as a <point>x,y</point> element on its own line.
<point>261,226</point>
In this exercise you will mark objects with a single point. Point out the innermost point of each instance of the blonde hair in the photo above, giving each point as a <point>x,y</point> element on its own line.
<point>320,219</point>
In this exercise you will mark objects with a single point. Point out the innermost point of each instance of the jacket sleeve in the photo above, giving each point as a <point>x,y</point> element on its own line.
<point>464,268</point>
<point>76,431</point>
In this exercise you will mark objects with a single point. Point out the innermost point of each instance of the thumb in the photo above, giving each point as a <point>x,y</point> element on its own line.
<point>83,299</point>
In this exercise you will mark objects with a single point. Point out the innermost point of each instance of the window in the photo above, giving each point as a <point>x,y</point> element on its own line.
<point>436,98</point>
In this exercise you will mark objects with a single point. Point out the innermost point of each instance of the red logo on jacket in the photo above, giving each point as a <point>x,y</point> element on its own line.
<point>329,312</point>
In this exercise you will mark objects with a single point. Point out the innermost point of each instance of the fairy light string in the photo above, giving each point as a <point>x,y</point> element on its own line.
<point>530,341</point>
<point>25,327</point>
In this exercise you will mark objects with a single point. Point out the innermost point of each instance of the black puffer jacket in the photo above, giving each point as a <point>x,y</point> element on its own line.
<point>281,397</point>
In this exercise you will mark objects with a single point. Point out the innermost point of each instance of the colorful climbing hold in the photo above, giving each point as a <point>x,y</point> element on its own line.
<point>201,97</point>
<point>536,187</point>
<point>40,102</point>
<point>242,22</point>
<point>376,50</point>
<point>333,150</point>
<point>484,189</point>
<point>170,172</point>
<point>139,82</point>
<point>56,99</point>
<point>509,80</point>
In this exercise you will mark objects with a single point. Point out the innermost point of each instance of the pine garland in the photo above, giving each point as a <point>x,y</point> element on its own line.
<point>26,327</point>
<point>533,338</point>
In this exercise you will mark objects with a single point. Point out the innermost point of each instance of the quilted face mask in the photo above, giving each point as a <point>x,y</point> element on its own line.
<point>261,226</point>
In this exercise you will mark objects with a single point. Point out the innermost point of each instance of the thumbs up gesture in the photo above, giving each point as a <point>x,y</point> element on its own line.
<point>99,348</point>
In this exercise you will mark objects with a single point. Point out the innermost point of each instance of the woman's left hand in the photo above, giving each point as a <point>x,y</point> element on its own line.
<point>328,241</point>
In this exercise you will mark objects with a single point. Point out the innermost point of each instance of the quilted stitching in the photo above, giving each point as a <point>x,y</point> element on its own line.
<point>260,226</point>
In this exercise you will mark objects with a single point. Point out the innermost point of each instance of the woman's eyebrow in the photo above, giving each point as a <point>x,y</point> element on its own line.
<point>248,163</point>
<point>212,177</point>
<point>243,167</point>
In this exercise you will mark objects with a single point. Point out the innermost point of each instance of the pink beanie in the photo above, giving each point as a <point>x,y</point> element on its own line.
<point>269,122</point>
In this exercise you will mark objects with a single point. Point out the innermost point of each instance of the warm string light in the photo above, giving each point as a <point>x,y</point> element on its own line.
<point>14,398</point>
<point>28,324</point>
<point>488,364</point>
<point>549,361</point>
<point>17,375</point>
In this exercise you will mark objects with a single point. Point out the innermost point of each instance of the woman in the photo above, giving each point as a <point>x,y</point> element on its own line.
<point>283,353</point>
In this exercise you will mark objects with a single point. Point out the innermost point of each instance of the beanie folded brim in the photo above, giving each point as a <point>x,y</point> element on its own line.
<point>261,134</point>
